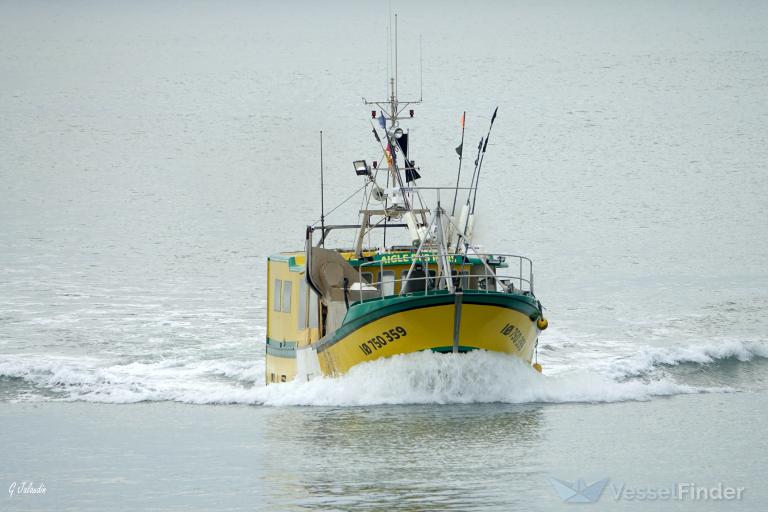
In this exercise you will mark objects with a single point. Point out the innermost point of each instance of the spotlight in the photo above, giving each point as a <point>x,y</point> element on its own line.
<point>361,168</point>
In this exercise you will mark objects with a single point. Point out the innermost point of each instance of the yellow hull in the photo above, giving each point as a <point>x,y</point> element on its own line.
<point>482,327</point>
<point>379,334</point>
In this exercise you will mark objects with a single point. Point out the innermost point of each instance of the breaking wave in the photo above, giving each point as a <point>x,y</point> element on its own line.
<point>649,359</point>
<point>421,378</point>
<point>94,380</point>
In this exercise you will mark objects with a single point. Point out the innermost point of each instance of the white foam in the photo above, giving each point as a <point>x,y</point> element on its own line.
<point>421,378</point>
<point>649,358</point>
<point>96,380</point>
<point>476,377</point>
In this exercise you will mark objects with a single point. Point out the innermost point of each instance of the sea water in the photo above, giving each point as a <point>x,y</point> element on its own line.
<point>153,156</point>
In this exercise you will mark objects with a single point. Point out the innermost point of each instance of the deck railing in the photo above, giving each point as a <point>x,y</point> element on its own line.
<point>505,273</point>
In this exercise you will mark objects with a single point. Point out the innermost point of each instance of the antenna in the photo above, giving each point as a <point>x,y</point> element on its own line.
<point>389,46</point>
<point>322,199</point>
<point>395,54</point>
<point>421,73</point>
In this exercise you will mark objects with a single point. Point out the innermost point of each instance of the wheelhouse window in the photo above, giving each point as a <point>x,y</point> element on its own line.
<point>461,279</point>
<point>420,276</point>
<point>276,306</point>
<point>387,285</point>
<point>286,307</point>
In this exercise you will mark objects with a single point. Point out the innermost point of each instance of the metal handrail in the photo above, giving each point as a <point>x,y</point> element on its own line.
<point>501,281</point>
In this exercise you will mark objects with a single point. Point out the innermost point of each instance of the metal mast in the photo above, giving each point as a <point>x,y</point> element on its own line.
<point>391,110</point>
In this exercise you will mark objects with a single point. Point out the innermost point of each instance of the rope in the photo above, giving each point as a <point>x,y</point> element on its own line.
<point>341,204</point>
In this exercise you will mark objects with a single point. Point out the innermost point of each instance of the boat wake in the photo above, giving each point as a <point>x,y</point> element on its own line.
<point>421,378</point>
<point>476,377</point>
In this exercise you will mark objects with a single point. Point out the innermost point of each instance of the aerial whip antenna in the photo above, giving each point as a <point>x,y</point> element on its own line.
<point>421,73</point>
<point>322,199</point>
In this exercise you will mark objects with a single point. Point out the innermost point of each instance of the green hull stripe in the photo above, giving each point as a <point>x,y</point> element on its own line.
<point>281,352</point>
<point>281,348</point>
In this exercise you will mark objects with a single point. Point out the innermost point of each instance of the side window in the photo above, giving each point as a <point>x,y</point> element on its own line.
<point>367,277</point>
<point>287,285</point>
<point>387,285</point>
<point>429,282</point>
<point>277,295</point>
<point>460,278</point>
<point>302,318</point>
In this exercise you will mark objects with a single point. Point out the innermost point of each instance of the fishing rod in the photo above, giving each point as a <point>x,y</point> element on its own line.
<point>485,146</point>
<point>460,151</point>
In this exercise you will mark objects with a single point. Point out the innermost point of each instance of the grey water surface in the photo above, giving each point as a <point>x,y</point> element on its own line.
<point>152,155</point>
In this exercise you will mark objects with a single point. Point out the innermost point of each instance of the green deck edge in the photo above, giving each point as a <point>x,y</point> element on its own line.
<point>526,304</point>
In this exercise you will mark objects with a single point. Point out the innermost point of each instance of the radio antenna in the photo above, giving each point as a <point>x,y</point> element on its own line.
<point>322,198</point>
<point>421,73</point>
<point>396,54</point>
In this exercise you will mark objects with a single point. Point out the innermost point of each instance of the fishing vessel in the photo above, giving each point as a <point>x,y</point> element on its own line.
<point>414,278</point>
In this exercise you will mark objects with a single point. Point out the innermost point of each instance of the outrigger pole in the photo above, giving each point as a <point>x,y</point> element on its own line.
<point>485,146</point>
<point>460,151</point>
<point>473,184</point>
<point>463,222</point>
